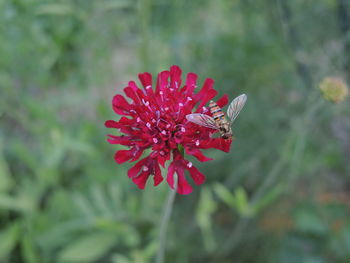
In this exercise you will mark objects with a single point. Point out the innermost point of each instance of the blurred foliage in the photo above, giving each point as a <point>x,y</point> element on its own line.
<point>281,195</point>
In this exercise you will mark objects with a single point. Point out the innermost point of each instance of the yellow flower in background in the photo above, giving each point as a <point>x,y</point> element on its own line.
<point>334,89</point>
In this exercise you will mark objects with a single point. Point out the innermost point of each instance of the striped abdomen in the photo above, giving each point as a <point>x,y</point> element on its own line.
<point>216,111</point>
<point>219,116</point>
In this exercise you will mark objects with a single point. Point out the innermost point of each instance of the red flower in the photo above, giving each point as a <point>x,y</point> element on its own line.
<point>156,119</point>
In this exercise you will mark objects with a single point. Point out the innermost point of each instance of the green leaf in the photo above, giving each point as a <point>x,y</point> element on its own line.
<point>28,250</point>
<point>19,204</point>
<point>224,194</point>
<point>118,258</point>
<point>83,205</point>
<point>149,251</point>
<point>88,248</point>
<point>206,208</point>
<point>241,203</point>
<point>241,199</point>
<point>8,239</point>
<point>237,201</point>
<point>100,201</point>
<point>54,9</point>
<point>267,199</point>
<point>5,177</point>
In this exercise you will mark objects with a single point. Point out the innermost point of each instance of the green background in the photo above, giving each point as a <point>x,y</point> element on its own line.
<point>282,193</point>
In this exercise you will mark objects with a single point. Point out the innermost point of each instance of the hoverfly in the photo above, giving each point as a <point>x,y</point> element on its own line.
<point>219,121</point>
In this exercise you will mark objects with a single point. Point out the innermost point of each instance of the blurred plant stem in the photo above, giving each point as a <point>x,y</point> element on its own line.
<point>301,130</point>
<point>144,14</point>
<point>344,26</point>
<point>287,18</point>
<point>165,221</point>
<point>294,157</point>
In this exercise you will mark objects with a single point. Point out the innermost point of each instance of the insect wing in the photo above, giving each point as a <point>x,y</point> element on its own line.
<point>236,106</point>
<point>202,120</point>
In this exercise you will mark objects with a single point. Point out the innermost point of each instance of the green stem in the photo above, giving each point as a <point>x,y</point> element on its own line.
<point>165,221</point>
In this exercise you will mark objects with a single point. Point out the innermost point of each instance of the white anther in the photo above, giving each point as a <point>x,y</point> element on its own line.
<point>145,168</point>
<point>145,102</point>
<point>189,98</point>
<point>153,120</point>
<point>166,108</point>
<point>148,87</point>
<point>197,143</point>
<point>181,104</point>
<point>183,129</point>
<point>162,152</point>
<point>168,126</point>
<point>138,119</point>
<point>189,165</point>
<point>155,140</point>
<point>164,132</point>
<point>161,92</point>
<point>148,125</point>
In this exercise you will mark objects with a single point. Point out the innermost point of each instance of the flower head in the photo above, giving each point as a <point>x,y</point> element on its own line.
<point>154,122</point>
<point>334,89</point>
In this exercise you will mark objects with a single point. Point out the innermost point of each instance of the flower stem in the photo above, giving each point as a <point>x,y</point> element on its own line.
<point>165,221</point>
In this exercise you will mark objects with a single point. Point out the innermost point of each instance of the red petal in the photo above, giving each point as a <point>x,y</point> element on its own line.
<point>191,83</point>
<point>137,154</point>
<point>157,178</point>
<point>123,140</point>
<point>178,166</point>
<point>210,94</point>
<point>177,155</point>
<point>198,154</point>
<point>141,180</point>
<point>146,79</point>
<point>217,143</point>
<point>119,124</point>
<point>130,92</point>
<point>112,124</point>
<point>162,81</point>
<point>183,188</point>
<point>196,175</point>
<point>133,171</point>
<point>208,85</point>
<point>126,121</point>
<point>120,105</point>
<point>133,85</point>
<point>175,76</point>
<point>123,156</point>
<point>170,176</point>
<point>222,101</point>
